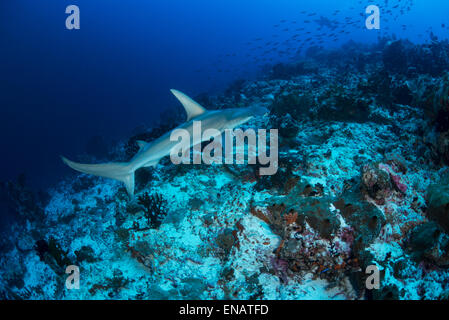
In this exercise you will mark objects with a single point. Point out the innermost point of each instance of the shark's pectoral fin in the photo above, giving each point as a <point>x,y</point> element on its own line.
<point>193,109</point>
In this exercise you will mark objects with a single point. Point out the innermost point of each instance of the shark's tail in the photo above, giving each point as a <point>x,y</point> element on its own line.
<point>121,171</point>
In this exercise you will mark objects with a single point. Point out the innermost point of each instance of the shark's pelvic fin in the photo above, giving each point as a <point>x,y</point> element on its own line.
<point>114,170</point>
<point>193,109</point>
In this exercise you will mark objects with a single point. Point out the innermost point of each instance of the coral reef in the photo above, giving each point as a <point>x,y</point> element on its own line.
<point>362,181</point>
<point>438,205</point>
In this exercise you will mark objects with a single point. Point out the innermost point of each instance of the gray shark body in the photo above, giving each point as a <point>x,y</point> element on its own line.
<point>150,153</point>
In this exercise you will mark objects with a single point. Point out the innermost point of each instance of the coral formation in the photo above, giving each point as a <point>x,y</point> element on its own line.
<point>438,205</point>
<point>363,155</point>
<point>155,208</point>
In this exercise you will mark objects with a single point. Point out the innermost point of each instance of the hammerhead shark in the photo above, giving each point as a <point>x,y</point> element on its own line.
<point>150,153</point>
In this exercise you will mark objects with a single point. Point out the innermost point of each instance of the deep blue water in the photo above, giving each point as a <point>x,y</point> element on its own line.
<point>59,88</point>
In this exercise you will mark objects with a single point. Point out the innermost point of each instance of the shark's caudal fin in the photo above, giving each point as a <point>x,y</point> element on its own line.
<point>193,108</point>
<point>118,171</point>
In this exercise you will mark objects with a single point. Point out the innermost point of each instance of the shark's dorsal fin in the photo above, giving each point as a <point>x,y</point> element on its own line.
<point>193,109</point>
<point>141,144</point>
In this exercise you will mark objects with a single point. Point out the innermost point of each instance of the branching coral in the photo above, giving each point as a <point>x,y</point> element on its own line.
<point>155,208</point>
<point>51,253</point>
